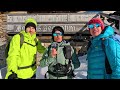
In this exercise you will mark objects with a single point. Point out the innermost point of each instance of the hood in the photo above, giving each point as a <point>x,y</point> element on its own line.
<point>31,20</point>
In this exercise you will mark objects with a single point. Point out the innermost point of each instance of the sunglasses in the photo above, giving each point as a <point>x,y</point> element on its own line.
<point>91,26</point>
<point>57,34</point>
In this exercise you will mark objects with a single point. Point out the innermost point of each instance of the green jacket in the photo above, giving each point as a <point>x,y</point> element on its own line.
<point>23,57</point>
<point>47,60</point>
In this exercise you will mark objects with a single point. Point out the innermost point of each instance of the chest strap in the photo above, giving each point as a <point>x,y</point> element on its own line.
<point>30,44</point>
<point>25,67</point>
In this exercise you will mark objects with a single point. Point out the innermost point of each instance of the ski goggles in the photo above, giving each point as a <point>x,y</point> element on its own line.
<point>57,34</point>
<point>91,26</point>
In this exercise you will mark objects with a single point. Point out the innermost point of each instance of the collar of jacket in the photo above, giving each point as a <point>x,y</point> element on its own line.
<point>63,43</point>
<point>27,35</point>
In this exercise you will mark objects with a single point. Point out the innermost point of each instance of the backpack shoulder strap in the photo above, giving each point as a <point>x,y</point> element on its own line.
<point>48,49</point>
<point>89,43</point>
<point>102,43</point>
<point>107,64</point>
<point>36,41</point>
<point>21,39</point>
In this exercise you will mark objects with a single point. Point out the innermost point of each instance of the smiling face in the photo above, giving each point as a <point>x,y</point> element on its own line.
<point>58,37</point>
<point>95,29</point>
<point>30,30</point>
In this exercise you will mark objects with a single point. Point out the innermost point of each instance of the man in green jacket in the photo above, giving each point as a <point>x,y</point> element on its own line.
<point>21,61</point>
<point>60,57</point>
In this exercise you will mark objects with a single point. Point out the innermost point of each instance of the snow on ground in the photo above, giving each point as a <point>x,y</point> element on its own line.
<point>80,72</point>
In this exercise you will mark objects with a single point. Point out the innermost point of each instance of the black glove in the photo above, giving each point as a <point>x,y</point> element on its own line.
<point>12,76</point>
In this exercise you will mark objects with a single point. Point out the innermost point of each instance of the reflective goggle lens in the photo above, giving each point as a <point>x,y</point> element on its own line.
<point>91,26</point>
<point>57,34</point>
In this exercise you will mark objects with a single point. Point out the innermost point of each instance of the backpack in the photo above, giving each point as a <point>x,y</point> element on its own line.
<point>115,37</point>
<point>21,43</point>
<point>8,44</point>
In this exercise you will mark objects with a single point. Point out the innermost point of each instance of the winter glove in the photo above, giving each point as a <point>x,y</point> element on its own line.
<point>13,76</point>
